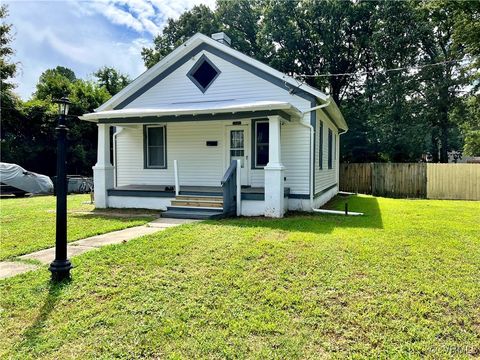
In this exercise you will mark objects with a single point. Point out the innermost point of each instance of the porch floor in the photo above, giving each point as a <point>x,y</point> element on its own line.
<point>248,193</point>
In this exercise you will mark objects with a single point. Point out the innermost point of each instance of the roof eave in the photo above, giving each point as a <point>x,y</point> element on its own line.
<point>120,114</point>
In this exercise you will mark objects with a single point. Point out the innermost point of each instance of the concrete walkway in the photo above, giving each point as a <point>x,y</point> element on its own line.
<point>12,268</point>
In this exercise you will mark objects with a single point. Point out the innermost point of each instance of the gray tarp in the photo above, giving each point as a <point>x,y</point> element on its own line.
<point>20,178</point>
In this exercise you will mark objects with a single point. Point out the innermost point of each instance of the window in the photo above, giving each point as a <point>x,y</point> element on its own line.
<point>203,73</point>
<point>320,146</point>
<point>237,146</point>
<point>330,148</point>
<point>334,148</point>
<point>261,143</point>
<point>155,147</point>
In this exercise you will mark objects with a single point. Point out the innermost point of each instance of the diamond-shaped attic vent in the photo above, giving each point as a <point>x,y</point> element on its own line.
<point>203,73</point>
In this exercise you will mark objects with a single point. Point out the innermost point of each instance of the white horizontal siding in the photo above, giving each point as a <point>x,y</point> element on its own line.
<point>325,177</point>
<point>234,83</point>
<point>295,149</point>
<point>257,177</point>
<point>202,165</point>
<point>186,142</point>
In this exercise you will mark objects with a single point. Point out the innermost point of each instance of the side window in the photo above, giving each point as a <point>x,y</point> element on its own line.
<point>155,147</point>
<point>261,143</point>
<point>330,149</point>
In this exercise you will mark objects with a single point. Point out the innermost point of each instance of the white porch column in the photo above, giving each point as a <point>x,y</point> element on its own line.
<point>103,169</point>
<point>274,171</point>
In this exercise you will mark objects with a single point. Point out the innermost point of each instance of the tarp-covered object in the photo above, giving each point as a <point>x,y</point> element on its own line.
<point>16,176</point>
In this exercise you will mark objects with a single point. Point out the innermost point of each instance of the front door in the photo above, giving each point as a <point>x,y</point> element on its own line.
<point>238,149</point>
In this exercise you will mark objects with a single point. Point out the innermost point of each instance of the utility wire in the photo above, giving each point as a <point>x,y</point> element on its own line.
<point>380,71</point>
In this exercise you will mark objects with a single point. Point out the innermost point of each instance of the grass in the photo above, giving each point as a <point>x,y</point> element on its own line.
<point>28,224</point>
<point>400,282</point>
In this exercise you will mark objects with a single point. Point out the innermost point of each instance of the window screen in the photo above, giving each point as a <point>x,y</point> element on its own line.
<point>261,143</point>
<point>156,152</point>
<point>330,148</point>
<point>320,145</point>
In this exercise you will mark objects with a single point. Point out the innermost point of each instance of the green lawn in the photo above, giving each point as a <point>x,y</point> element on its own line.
<point>28,224</point>
<point>403,281</point>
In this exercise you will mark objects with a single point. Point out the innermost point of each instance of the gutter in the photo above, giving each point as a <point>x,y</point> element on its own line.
<point>317,107</point>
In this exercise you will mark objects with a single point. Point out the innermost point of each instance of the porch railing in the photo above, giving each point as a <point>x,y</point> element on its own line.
<point>229,188</point>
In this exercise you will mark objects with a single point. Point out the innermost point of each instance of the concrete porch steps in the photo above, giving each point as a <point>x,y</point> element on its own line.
<point>197,203</point>
<point>195,207</point>
<point>199,198</point>
<point>183,212</point>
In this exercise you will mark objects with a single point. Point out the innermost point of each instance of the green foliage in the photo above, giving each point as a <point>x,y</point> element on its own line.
<point>7,67</point>
<point>28,136</point>
<point>393,115</point>
<point>9,102</point>
<point>466,34</point>
<point>199,19</point>
<point>111,79</point>
<point>240,20</point>
<point>396,283</point>
<point>472,143</point>
<point>55,83</point>
<point>467,115</point>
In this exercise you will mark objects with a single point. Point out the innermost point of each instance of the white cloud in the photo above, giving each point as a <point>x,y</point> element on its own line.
<point>85,35</point>
<point>141,15</point>
<point>116,15</point>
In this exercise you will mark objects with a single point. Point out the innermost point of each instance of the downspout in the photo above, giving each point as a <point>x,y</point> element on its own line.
<point>312,164</point>
<point>118,130</point>
<point>312,134</point>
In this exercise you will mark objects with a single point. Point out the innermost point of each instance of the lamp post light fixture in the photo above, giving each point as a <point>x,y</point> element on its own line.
<point>60,267</point>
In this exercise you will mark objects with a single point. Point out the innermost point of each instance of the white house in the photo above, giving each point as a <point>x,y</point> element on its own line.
<point>210,132</point>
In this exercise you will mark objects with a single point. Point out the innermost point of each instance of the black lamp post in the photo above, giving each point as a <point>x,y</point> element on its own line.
<point>60,267</point>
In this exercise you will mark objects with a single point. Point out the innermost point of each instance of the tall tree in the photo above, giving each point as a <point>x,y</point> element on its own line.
<point>28,138</point>
<point>241,20</point>
<point>112,79</point>
<point>8,100</point>
<point>394,42</point>
<point>440,84</point>
<point>199,19</point>
<point>323,38</point>
<point>466,30</point>
<point>8,68</point>
<point>55,83</point>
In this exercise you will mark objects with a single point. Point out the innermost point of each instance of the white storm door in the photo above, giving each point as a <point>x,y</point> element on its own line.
<point>238,149</point>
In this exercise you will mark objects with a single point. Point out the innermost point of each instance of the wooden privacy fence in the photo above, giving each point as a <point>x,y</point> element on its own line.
<point>412,180</point>
<point>453,181</point>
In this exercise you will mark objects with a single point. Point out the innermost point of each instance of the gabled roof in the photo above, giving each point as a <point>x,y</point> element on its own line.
<point>200,42</point>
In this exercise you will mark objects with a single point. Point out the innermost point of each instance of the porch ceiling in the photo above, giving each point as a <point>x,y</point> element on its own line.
<point>192,111</point>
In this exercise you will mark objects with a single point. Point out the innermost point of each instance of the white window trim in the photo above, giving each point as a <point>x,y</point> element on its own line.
<point>147,152</point>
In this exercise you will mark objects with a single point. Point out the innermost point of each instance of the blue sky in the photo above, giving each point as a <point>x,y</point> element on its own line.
<point>85,35</point>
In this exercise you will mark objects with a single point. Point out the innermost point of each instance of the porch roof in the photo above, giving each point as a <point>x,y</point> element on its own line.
<point>189,111</point>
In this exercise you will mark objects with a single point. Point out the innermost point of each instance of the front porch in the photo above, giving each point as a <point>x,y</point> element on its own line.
<point>194,202</point>
<point>235,155</point>
<point>168,191</point>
